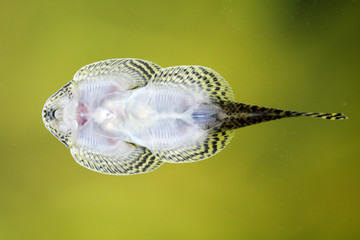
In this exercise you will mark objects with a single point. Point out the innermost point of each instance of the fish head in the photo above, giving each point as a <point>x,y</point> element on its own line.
<point>58,114</point>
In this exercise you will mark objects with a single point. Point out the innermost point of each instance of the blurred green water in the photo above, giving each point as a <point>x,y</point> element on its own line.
<point>288,179</point>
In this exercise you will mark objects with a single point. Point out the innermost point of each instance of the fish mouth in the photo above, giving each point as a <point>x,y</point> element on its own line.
<point>49,113</point>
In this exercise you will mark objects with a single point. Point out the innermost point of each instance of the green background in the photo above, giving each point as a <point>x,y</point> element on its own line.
<point>287,179</point>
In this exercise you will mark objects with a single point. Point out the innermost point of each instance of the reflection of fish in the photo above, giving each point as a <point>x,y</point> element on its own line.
<point>128,116</point>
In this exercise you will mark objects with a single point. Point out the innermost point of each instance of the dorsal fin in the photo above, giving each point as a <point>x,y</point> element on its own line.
<point>198,79</point>
<point>127,73</point>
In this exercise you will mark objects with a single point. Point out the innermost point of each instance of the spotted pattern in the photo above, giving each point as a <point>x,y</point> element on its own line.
<point>241,115</point>
<point>141,160</point>
<point>114,67</point>
<point>202,80</point>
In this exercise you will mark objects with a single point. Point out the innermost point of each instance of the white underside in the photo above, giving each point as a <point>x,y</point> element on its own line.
<point>157,118</point>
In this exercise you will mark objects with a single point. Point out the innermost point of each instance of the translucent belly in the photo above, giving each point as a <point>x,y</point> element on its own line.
<point>156,118</point>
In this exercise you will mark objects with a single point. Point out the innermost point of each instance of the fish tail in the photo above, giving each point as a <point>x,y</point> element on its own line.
<point>239,115</point>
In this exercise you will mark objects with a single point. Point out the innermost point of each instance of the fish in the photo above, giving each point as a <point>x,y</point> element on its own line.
<point>129,116</point>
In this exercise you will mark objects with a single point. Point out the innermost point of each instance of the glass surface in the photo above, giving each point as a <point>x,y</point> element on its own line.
<point>288,179</point>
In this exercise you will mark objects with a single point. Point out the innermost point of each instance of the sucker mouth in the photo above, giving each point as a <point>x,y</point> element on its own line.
<point>49,113</point>
<point>82,114</point>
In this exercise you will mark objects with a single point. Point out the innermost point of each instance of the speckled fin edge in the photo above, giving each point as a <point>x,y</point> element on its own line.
<point>198,79</point>
<point>138,161</point>
<point>130,72</point>
<point>213,143</point>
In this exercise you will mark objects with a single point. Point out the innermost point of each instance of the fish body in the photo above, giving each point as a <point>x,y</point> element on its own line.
<point>129,116</point>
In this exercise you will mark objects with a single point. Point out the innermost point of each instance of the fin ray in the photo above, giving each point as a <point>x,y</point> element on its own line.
<point>204,148</point>
<point>139,160</point>
<point>241,115</point>
<point>197,79</point>
<point>327,116</point>
<point>128,73</point>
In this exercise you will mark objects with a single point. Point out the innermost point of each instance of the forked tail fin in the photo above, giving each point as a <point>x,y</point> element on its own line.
<point>240,115</point>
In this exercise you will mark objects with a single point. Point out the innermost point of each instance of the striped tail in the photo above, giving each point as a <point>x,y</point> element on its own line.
<point>241,115</point>
<point>327,116</point>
